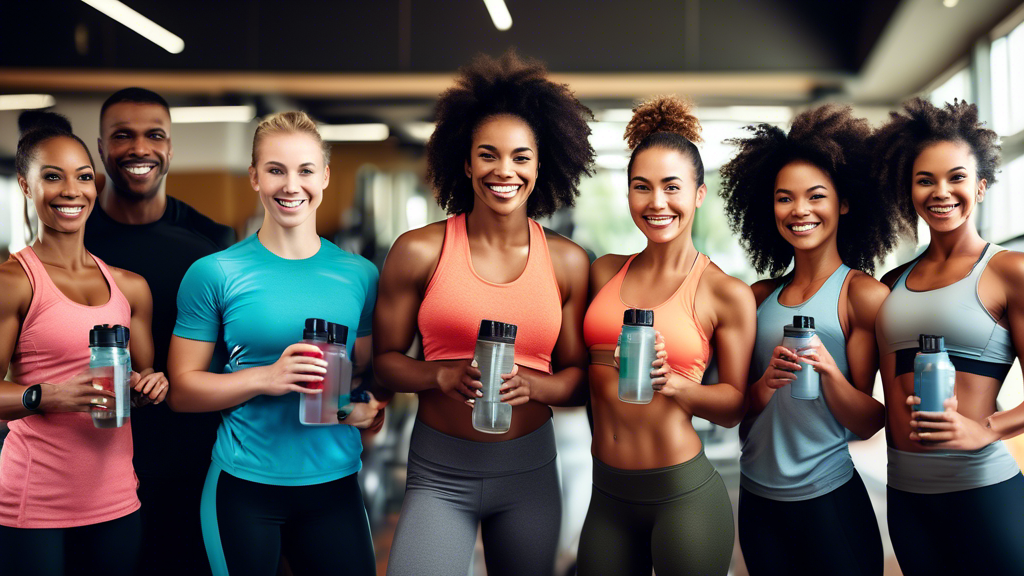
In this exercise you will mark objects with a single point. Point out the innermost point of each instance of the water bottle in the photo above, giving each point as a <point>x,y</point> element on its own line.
<point>495,355</point>
<point>797,335</point>
<point>110,366</point>
<point>934,374</point>
<point>311,406</point>
<point>636,353</point>
<point>337,335</point>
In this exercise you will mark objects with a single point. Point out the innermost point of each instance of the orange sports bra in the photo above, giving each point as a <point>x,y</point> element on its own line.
<point>688,346</point>
<point>457,299</point>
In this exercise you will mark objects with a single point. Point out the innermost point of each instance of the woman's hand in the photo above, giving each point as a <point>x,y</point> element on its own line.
<point>949,429</point>
<point>781,368</point>
<point>76,394</point>
<point>299,364</point>
<point>818,358</point>
<point>515,390</point>
<point>663,379</point>
<point>363,415</point>
<point>460,379</point>
<point>150,389</point>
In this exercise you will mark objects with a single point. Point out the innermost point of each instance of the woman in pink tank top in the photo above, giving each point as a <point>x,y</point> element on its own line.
<point>67,489</point>
<point>510,146</point>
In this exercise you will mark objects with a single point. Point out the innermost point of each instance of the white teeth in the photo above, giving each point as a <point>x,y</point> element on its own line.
<point>69,210</point>
<point>658,220</point>
<point>289,203</point>
<point>504,189</point>
<point>942,209</point>
<point>139,170</point>
<point>802,227</point>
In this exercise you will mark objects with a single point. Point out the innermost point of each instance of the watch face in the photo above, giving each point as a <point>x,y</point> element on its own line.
<point>32,397</point>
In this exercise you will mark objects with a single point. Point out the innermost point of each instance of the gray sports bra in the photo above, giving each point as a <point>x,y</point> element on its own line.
<point>977,344</point>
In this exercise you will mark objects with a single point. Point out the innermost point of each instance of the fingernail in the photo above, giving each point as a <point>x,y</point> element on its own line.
<point>474,364</point>
<point>479,394</point>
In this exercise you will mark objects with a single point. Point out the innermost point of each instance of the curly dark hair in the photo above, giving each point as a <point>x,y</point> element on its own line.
<point>832,139</point>
<point>518,87</point>
<point>665,122</point>
<point>897,143</point>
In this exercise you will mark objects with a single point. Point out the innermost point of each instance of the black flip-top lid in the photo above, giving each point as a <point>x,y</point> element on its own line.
<point>494,331</point>
<point>316,329</point>
<point>803,322</point>
<point>931,344</point>
<point>107,336</point>
<point>638,317</point>
<point>337,333</point>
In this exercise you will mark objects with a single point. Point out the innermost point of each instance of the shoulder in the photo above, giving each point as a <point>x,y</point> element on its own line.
<point>604,269</point>
<point>566,254</point>
<point>865,296</point>
<point>762,289</point>
<point>1009,266</point>
<point>208,269</point>
<point>17,287</point>
<point>343,257</point>
<point>729,293</point>
<point>889,278</point>
<point>187,216</point>
<point>131,284</point>
<point>419,246</point>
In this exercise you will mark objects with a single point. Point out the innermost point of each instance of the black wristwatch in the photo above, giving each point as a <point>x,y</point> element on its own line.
<point>32,397</point>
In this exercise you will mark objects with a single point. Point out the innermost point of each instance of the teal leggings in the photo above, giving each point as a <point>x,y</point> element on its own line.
<point>676,520</point>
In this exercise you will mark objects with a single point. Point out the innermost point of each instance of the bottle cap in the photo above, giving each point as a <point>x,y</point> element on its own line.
<point>337,333</point>
<point>931,344</point>
<point>316,329</point>
<point>803,322</point>
<point>638,317</point>
<point>107,336</point>
<point>494,331</point>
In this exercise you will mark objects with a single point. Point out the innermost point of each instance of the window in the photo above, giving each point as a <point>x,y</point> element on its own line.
<point>1008,80</point>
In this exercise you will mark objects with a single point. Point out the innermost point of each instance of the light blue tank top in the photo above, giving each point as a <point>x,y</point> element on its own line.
<point>796,449</point>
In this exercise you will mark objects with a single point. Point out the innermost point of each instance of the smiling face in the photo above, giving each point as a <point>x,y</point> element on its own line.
<point>807,207</point>
<point>945,185</point>
<point>135,145</point>
<point>503,163</point>
<point>290,176</point>
<point>663,194</point>
<point>60,183</point>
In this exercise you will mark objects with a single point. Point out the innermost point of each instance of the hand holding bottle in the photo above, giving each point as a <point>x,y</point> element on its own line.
<point>76,394</point>
<point>299,364</point>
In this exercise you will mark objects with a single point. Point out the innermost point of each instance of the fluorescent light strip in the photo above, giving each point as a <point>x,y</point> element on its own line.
<point>354,132</point>
<point>199,114</point>
<point>499,14</point>
<point>420,130</point>
<point>148,29</point>
<point>26,101</point>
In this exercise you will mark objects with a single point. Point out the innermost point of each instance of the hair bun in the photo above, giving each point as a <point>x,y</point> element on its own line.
<point>662,114</point>
<point>30,120</point>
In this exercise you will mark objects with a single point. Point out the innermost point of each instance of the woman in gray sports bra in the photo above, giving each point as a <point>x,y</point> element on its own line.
<point>803,198</point>
<point>956,496</point>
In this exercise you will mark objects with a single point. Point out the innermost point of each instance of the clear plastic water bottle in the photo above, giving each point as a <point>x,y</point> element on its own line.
<point>110,365</point>
<point>311,406</point>
<point>337,335</point>
<point>799,334</point>
<point>636,353</point>
<point>934,374</point>
<point>495,355</point>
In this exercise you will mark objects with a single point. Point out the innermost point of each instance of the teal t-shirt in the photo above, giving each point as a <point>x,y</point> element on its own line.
<point>261,302</point>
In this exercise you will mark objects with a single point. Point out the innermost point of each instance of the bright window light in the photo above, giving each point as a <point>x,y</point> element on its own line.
<point>612,161</point>
<point>26,101</point>
<point>354,132</point>
<point>200,114</point>
<point>145,27</point>
<point>499,14</point>
<point>420,130</point>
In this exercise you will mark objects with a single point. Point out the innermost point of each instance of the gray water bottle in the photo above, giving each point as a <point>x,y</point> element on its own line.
<point>797,335</point>
<point>495,355</point>
<point>110,365</point>
<point>934,374</point>
<point>636,353</point>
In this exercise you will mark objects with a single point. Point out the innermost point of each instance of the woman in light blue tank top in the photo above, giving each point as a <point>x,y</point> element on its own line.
<point>952,484</point>
<point>802,198</point>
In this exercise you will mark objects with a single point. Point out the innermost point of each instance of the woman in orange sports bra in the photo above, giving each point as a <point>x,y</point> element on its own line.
<point>509,146</point>
<point>657,500</point>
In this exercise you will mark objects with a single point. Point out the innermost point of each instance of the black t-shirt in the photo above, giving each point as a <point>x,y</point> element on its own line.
<point>166,443</point>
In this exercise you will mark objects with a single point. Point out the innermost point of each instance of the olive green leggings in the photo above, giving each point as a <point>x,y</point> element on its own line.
<point>677,520</point>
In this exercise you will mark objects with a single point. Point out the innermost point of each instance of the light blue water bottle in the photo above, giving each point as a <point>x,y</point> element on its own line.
<point>796,336</point>
<point>934,374</point>
<point>110,366</point>
<point>636,353</point>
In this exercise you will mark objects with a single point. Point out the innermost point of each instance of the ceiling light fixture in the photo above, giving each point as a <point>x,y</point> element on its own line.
<point>354,132</point>
<point>148,29</point>
<point>499,14</point>
<point>950,3</point>
<point>420,130</point>
<point>202,114</point>
<point>26,101</point>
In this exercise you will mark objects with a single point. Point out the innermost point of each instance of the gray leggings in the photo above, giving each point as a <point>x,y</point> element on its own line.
<point>510,489</point>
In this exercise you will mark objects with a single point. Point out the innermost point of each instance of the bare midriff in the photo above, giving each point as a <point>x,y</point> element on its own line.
<point>449,416</point>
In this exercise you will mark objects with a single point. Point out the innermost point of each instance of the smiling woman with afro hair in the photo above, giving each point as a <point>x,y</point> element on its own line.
<point>806,198</point>
<point>510,146</point>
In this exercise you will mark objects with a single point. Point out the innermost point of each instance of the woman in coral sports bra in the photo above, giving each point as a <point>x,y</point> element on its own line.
<point>657,500</point>
<point>510,146</point>
<point>67,489</point>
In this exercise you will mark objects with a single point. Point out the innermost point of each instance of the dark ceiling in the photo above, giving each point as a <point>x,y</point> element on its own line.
<point>441,35</point>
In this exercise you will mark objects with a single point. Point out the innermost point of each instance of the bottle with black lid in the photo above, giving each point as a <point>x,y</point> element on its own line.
<point>636,356</point>
<point>797,337</point>
<point>110,365</point>
<point>495,355</point>
<point>312,406</point>
<point>934,374</point>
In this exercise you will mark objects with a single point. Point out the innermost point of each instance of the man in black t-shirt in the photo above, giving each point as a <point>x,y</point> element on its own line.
<point>134,225</point>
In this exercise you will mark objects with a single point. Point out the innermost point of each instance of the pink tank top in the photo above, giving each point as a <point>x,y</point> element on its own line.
<point>58,470</point>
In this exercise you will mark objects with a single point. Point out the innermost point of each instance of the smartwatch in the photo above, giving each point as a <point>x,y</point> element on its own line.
<point>32,397</point>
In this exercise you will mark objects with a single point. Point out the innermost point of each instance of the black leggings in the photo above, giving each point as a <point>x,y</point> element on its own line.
<point>835,533</point>
<point>322,529</point>
<point>978,531</point>
<point>109,549</point>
